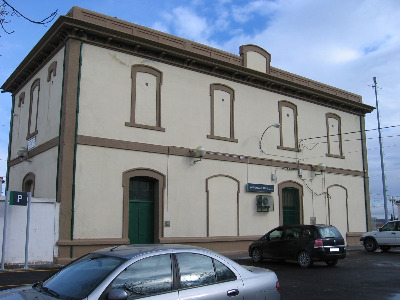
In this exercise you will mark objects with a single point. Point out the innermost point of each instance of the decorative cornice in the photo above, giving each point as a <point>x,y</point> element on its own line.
<point>112,33</point>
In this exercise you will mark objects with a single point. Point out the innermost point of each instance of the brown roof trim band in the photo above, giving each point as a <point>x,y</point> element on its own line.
<point>97,29</point>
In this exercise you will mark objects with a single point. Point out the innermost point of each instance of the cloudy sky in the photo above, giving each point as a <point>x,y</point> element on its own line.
<point>343,43</point>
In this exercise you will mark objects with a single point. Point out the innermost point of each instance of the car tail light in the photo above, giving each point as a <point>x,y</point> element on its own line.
<point>278,287</point>
<point>318,243</point>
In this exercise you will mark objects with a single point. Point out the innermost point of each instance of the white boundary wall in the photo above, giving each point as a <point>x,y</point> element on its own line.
<point>43,232</point>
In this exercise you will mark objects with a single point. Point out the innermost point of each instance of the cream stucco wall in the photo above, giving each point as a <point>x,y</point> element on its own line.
<point>105,105</point>
<point>99,193</point>
<point>49,107</point>
<point>45,177</point>
<point>256,61</point>
<point>185,110</point>
<point>43,165</point>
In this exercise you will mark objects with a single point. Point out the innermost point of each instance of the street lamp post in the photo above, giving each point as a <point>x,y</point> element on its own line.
<point>276,125</point>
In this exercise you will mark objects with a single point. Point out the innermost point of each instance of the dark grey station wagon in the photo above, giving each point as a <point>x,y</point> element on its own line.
<point>302,243</point>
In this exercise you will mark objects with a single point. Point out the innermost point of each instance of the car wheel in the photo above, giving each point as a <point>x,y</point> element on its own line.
<point>370,245</point>
<point>331,262</point>
<point>304,259</point>
<point>256,255</point>
<point>385,248</point>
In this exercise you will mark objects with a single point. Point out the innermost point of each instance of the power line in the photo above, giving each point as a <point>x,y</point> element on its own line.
<point>350,140</point>
<point>346,133</point>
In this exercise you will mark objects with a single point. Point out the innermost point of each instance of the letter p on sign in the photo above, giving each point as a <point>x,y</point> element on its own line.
<point>19,198</point>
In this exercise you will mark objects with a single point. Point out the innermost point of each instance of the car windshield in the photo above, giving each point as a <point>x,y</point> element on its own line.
<point>80,278</point>
<point>388,226</point>
<point>329,232</point>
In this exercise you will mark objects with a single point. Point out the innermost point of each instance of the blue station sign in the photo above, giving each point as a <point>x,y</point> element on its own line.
<point>260,188</point>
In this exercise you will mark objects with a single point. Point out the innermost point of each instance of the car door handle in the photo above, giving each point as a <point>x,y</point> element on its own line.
<point>393,232</point>
<point>232,293</point>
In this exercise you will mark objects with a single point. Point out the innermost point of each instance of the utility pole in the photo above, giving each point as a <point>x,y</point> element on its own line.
<point>375,86</point>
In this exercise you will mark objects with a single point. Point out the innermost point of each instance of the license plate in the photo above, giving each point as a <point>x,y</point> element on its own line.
<point>334,249</point>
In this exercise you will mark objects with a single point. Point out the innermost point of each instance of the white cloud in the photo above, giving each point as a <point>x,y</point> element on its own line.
<point>188,24</point>
<point>341,55</point>
<point>243,14</point>
<point>160,27</point>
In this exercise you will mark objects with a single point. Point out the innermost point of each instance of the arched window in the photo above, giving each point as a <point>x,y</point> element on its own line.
<point>222,205</point>
<point>146,98</point>
<point>334,135</point>
<point>28,184</point>
<point>52,70</point>
<point>288,129</point>
<point>21,99</point>
<point>256,58</point>
<point>33,109</point>
<point>222,113</point>
<point>338,208</point>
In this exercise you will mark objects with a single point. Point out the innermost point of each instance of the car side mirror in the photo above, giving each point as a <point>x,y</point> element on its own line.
<point>380,229</point>
<point>117,294</point>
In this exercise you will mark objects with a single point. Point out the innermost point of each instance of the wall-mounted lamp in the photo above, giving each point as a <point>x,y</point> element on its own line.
<point>199,152</point>
<point>321,167</point>
<point>22,153</point>
<point>276,125</point>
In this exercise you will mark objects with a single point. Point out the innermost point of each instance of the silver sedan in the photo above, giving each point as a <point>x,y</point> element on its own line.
<point>153,272</point>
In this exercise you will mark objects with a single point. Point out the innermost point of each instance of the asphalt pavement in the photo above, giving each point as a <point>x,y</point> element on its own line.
<point>361,275</point>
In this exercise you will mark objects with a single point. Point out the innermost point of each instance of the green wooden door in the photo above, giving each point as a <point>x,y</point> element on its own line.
<point>141,210</point>
<point>291,206</point>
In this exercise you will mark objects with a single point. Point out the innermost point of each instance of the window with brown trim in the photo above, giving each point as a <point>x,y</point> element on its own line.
<point>146,98</point>
<point>223,193</point>
<point>288,129</point>
<point>222,113</point>
<point>256,58</point>
<point>33,109</point>
<point>334,135</point>
<point>52,70</point>
<point>21,99</point>
<point>28,184</point>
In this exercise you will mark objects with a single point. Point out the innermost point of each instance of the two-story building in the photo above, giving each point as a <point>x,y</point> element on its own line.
<point>145,137</point>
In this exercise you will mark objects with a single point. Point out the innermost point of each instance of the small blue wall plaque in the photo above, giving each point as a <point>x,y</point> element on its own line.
<point>260,188</point>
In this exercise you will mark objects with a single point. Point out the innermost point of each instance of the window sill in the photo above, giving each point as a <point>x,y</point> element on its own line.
<point>335,156</point>
<point>31,135</point>
<point>157,128</point>
<point>288,149</point>
<point>220,138</point>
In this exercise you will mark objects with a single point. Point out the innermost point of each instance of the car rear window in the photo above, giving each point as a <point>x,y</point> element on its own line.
<point>329,232</point>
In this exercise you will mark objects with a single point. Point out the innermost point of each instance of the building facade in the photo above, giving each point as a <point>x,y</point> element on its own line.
<point>107,117</point>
